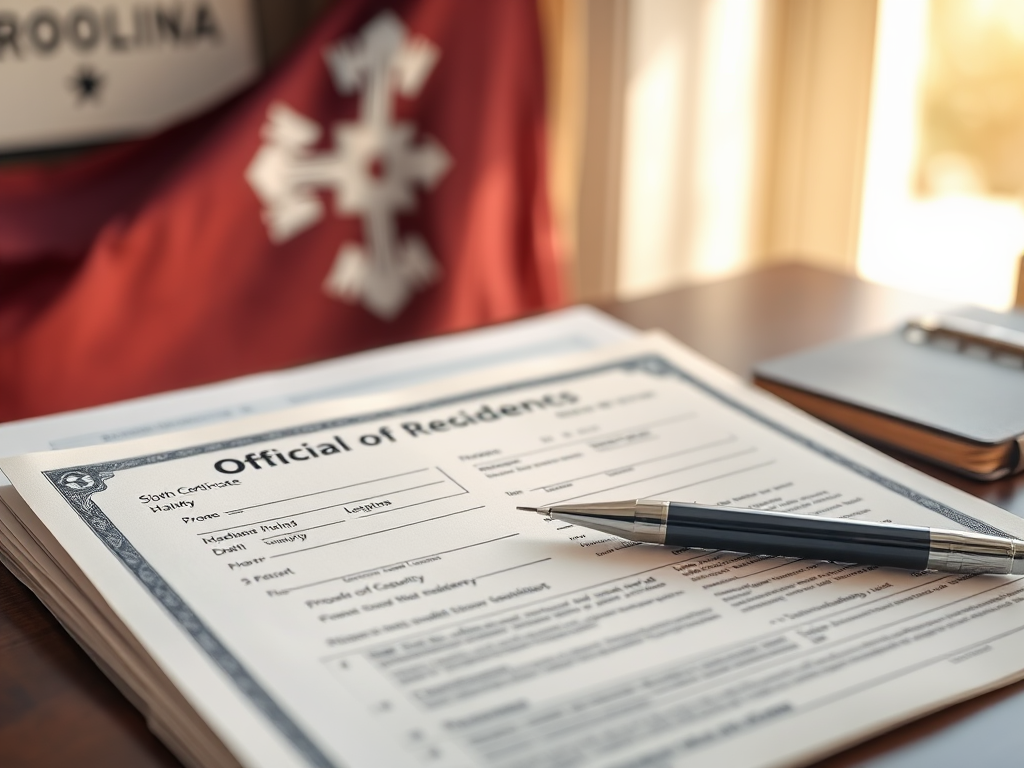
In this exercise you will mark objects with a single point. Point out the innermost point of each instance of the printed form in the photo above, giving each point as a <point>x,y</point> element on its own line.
<point>349,583</point>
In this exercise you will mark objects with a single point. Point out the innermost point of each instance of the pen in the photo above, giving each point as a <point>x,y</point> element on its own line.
<point>756,531</point>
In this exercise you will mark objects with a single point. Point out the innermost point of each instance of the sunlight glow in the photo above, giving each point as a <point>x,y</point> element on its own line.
<point>957,241</point>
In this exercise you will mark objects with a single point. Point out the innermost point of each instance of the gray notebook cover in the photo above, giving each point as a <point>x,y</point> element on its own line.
<point>944,390</point>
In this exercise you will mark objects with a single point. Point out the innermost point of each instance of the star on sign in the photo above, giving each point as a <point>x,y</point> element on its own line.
<point>87,83</point>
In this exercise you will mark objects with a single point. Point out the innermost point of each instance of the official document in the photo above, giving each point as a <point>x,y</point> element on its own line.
<point>349,583</point>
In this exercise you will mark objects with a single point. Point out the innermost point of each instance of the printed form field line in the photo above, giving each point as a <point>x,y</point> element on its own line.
<point>638,481</point>
<point>847,691</point>
<point>737,676</point>
<point>623,467</point>
<point>512,568</point>
<point>771,634</point>
<point>739,471</point>
<point>520,607</point>
<point>888,677</point>
<point>409,561</point>
<point>370,514</point>
<point>325,490</point>
<point>821,648</point>
<point>377,533</point>
<point>489,463</point>
<point>338,504</point>
<point>904,671</point>
<point>696,556</point>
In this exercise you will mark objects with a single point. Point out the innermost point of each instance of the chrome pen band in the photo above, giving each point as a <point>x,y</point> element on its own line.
<point>651,521</point>
<point>963,552</point>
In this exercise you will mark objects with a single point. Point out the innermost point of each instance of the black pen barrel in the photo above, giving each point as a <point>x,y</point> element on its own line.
<point>815,538</point>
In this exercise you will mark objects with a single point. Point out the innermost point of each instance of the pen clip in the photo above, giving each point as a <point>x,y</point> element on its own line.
<point>973,338</point>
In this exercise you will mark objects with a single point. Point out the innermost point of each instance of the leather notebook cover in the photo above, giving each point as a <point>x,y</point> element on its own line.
<point>971,397</point>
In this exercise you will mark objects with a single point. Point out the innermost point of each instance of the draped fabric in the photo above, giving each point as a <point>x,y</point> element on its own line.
<point>386,182</point>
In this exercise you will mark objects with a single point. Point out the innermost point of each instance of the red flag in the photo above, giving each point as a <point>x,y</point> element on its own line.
<point>386,183</point>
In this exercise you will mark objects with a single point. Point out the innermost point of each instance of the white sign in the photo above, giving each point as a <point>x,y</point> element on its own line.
<point>80,71</point>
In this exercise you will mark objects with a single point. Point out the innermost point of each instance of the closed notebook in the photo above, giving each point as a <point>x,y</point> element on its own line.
<point>951,401</point>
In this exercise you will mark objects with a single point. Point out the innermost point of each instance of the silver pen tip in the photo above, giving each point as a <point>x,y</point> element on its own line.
<point>538,510</point>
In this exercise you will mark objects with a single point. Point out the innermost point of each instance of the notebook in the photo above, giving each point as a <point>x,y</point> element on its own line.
<point>948,390</point>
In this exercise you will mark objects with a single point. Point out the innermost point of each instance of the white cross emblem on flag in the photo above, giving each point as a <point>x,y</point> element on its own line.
<point>372,170</point>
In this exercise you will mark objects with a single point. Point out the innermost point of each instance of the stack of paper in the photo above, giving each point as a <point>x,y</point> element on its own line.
<point>348,582</point>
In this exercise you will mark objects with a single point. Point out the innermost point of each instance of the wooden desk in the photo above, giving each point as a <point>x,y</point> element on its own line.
<point>57,708</point>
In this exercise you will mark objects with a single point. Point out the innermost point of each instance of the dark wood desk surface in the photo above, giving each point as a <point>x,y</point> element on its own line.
<point>57,708</point>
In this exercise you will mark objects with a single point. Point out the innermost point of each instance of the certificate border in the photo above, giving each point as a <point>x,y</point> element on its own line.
<point>77,485</point>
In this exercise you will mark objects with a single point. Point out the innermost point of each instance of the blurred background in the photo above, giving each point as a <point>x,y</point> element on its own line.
<point>883,138</point>
<point>694,140</point>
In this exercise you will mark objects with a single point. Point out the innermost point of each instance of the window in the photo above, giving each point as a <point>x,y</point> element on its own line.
<point>942,210</point>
